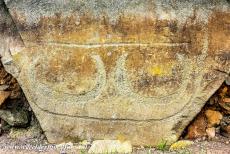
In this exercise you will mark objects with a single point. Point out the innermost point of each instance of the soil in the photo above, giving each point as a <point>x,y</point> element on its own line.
<point>218,145</point>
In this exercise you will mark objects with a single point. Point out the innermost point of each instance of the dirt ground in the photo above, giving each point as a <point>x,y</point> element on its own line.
<point>219,145</point>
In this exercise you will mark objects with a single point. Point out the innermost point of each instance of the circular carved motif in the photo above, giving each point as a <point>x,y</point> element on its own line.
<point>68,77</point>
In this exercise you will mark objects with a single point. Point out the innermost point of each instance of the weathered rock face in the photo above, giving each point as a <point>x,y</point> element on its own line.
<point>140,70</point>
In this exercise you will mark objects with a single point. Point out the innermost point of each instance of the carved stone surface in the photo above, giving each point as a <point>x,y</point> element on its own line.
<point>100,69</point>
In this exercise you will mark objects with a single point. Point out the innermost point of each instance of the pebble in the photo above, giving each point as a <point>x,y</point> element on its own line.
<point>3,96</point>
<point>213,117</point>
<point>211,132</point>
<point>3,87</point>
<point>110,146</point>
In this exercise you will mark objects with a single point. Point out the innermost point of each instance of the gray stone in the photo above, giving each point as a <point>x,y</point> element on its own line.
<point>102,69</point>
<point>3,87</point>
<point>14,117</point>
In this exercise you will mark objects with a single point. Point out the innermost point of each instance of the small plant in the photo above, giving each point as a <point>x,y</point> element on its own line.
<point>162,145</point>
<point>82,152</point>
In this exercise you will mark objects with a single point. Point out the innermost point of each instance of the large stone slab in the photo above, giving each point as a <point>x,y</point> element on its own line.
<point>138,70</point>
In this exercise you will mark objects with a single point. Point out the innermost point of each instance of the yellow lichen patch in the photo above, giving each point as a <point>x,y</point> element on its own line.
<point>180,145</point>
<point>121,137</point>
<point>161,69</point>
<point>17,57</point>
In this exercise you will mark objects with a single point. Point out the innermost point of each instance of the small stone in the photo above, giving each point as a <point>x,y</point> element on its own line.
<point>225,104</point>
<point>203,138</point>
<point>211,132</point>
<point>3,87</point>
<point>5,126</point>
<point>213,117</point>
<point>217,130</point>
<point>3,96</point>
<point>15,117</point>
<point>223,92</point>
<point>110,146</point>
<point>226,100</point>
<point>179,145</point>
<point>225,131</point>
<point>43,137</point>
<point>227,81</point>
<point>225,120</point>
<point>213,100</point>
<point>198,128</point>
<point>225,126</point>
<point>216,137</point>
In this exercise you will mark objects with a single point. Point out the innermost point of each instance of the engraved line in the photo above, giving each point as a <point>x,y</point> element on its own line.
<point>191,100</point>
<point>103,119</point>
<point>98,45</point>
<point>124,86</point>
<point>13,22</point>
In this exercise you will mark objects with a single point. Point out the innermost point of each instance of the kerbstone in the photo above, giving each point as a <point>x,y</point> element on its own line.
<point>104,69</point>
